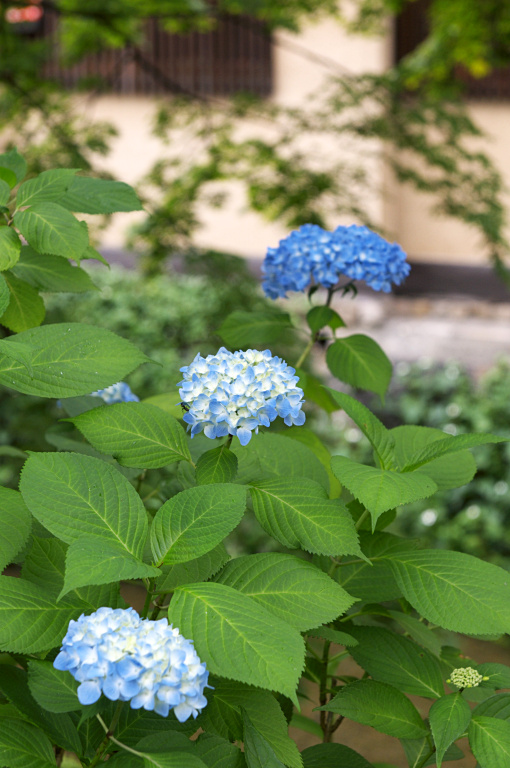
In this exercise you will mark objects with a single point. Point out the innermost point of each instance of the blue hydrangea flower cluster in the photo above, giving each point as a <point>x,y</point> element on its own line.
<point>233,393</point>
<point>313,255</point>
<point>117,393</point>
<point>148,663</point>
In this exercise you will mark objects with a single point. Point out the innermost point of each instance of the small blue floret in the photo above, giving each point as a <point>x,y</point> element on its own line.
<point>116,393</point>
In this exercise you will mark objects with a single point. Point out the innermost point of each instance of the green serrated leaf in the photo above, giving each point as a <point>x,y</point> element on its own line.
<point>257,750</point>
<point>449,471</point>
<point>498,674</point>
<point>380,438</point>
<point>421,752</point>
<point>237,638</point>
<point>359,361</point>
<point>218,465</point>
<point>49,228</point>
<point>5,295</point>
<point>455,591</point>
<point>254,329</point>
<point>24,746</point>
<point>51,273</point>
<point>89,195</point>
<point>489,739</point>
<point>379,705</point>
<point>319,317</point>
<point>47,187</point>
<point>449,718</point>
<point>93,562</point>
<point>8,177</point>
<point>381,489</point>
<point>70,359</point>
<point>310,439</point>
<point>333,635</point>
<point>376,581</point>
<point>195,521</point>
<point>10,247</point>
<point>30,619</point>
<point>13,161</point>
<point>15,525</point>
<point>495,706</point>
<point>25,309</point>
<point>315,391</point>
<point>418,631</point>
<point>136,434</point>
<point>299,514</point>
<point>447,446</point>
<point>54,690</point>
<point>223,717</point>
<point>22,353</point>
<point>75,496</point>
<point>199,569</point>
<point>5,192</point>
<point>217,752</point>
<point>292,589</point>
<point>333,756</point>
<point>393,659</point>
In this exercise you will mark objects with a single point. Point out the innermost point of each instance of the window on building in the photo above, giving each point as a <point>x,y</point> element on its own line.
<point>234,57</point>
<point>412,29</point>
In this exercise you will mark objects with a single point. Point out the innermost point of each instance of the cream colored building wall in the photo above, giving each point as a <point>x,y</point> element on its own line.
<point>427,237</point>
<point>296,76</point>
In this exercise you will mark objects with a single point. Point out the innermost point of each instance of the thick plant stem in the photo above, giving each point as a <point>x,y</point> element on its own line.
<point>148,598</point>
<point>361,519</point>
<point>323,684</point>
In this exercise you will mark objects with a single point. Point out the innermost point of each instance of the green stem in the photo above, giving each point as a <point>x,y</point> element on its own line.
<point>109,735</point>
<point>306,352</point>
<point>361,519</point>
<point>148,598</point>
<point>323,685</point>
<point>124,746</point>
<point>228,441</point>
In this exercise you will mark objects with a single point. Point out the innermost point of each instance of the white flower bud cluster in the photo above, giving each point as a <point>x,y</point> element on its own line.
<point>465,677</point>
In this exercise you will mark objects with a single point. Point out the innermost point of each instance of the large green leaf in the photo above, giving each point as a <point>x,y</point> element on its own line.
<point>218,465</point>
<point>70,359</point>
<point>489,739</point>
<point>54,690</point>
<point>275,455</point>
<point>195,521</point>
<point>421,752</point>
<point>254,329</point>
<point>24,746</point>
<point>418,630</point>
<point>51,273</point>
<point>91,561</point>
<point>373,582</point>
<point>45,565</point>
<point>49,228</point>
<point>15,525</point>
<point>455,591</point>
<point>449,718</point>
<point>89,195</point>
<point>498,674</point>
<point>495,706</point>
<point>59,727</point>
<point>13,161</point>
<point>10,247</point>
<point>380,705</point>
<point>5,295</point>
<point>310,439</point>
<point>218,753</point>
<point>257,750</point>
<point>449,471</point>
<point>5,191</point>
<point>48,187</point>
<point>359,361</point>
<point>25,309</point>
<point>75,496</point>
<point>199,569</point>
<point>299,514</point>
<point>136,434</point>
<point>380,438</point>
<point>21,353</point>
<point>451,444</point>
<point>315,391</point>
<point>296,591</point>
<point>333,756</point>
<point>394,659</point>
<point>223,716</point>
<point>237,638</point>
<point>30,618</point>
<point>381,489</point>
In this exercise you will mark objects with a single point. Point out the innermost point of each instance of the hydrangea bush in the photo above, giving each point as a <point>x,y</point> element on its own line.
<point>222,654</point>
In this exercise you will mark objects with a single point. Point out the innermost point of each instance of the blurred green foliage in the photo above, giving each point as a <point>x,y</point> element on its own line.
<point>473,519</point>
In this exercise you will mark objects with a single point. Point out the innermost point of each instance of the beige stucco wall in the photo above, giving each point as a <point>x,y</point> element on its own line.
<point>301,64</point>
<point>427,237</point>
